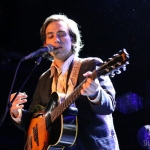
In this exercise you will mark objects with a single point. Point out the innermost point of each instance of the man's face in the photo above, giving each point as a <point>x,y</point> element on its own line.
<point>57,35</point>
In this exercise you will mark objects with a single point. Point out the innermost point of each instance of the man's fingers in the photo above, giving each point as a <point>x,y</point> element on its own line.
<point>19,97</point>
<point>16,107</point>
<point>87,74</point>
<point>19,101</point>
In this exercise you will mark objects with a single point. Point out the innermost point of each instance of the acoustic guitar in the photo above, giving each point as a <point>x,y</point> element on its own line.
<point>55,126</point>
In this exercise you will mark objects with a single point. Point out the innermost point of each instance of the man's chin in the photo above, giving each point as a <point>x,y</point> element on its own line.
<point>58,55</point>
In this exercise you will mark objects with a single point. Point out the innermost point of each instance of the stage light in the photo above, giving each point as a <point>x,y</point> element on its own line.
<point>128,103</point>
<point>143,137</point>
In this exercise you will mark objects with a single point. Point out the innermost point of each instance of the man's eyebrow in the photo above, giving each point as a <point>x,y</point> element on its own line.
<point>60,31</point>
<point>57,32</point>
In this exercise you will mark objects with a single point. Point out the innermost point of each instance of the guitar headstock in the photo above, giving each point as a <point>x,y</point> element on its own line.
<point>113,65</point>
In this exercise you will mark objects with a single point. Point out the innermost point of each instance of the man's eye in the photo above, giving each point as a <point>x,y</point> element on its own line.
<point>49,36</point>
<point>62,34</point>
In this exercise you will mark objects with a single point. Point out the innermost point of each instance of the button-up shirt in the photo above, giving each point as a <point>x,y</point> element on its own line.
<point>60,76</point>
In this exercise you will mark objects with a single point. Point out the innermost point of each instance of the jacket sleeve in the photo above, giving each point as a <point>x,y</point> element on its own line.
<point>25,120</point>
<point>107,93</point>
<point>107,97</point>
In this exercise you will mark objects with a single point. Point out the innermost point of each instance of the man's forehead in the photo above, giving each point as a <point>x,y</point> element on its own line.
<point>59,31</point>
<point>57,25</point>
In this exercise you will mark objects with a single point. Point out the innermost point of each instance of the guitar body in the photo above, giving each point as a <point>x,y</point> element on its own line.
<point>37,136</point>
<point>63,133</point>
<point>43,134</point>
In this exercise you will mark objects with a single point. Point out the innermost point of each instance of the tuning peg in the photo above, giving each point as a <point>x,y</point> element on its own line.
<point>112,75</point>
<point>115,55</point>
<point>107,70</point>
<point>118,71</point>
<point>109,58</point>
<point>124,67</point>
<point>119,63</point>
<point>113,67</point>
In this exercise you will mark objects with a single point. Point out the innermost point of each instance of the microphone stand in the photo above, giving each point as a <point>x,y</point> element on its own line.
<point>9,104</point>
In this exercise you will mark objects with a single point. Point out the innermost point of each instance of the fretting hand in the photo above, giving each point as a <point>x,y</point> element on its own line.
<point>91,87</point>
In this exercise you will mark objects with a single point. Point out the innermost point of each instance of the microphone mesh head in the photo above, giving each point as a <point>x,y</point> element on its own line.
<point>50,47</point>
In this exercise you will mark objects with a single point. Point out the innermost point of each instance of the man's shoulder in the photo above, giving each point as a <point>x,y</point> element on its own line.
<point>89,64</point>
<point>45,74</point>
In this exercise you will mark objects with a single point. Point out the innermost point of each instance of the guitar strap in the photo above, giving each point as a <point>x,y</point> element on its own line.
<point>74,75</point>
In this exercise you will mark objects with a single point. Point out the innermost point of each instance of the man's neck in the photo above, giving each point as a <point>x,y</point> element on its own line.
<point>59,62</point>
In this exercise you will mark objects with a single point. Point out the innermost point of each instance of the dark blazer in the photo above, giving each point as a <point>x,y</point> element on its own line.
<point>95,122</point>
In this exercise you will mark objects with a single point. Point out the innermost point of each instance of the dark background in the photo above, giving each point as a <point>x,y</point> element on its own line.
<point>107,27</point>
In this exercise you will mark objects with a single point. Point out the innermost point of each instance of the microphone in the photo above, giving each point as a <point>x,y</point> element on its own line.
<point>40,52</point>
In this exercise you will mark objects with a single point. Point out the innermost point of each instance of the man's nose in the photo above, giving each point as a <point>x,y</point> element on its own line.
<point>57,39</point>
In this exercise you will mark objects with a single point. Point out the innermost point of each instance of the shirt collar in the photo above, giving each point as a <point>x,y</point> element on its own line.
<point>64,67</point>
